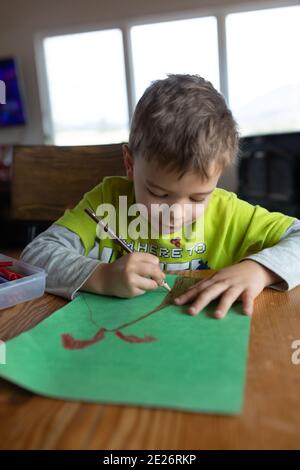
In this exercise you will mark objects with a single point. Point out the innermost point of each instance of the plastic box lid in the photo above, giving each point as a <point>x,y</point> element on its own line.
<point>29,287</point>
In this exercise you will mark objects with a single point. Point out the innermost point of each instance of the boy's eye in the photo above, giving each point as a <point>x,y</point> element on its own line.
<point>166,195</point>
<point>197,200</point>
<point>157,195</point>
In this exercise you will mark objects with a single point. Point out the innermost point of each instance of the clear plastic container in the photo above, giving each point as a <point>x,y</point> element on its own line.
<point>29,287</point>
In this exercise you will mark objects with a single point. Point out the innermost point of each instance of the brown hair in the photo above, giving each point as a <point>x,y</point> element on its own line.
<point>183,122</point>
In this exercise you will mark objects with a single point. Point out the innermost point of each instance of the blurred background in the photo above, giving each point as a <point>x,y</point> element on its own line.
<point>74,71</point>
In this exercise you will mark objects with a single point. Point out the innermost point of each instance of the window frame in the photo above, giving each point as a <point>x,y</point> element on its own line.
<point>125,25</point>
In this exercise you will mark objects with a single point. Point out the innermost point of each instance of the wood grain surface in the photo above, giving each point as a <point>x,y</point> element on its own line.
<point>41,174</point>
<point>271,416</point>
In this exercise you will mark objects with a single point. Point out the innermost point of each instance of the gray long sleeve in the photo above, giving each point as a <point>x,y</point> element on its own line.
<point>283,258</point>
<point>61,253</point>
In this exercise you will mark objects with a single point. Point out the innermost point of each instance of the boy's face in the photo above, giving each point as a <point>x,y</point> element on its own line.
<point>157,185</point>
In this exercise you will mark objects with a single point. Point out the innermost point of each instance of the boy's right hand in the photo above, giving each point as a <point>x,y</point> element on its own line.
<point>128,276</point>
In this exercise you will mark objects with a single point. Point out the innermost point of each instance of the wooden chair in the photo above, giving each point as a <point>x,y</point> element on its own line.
<point>46,180</point>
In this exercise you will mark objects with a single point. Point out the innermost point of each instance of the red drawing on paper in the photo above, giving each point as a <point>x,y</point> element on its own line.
<point>135,339</point>
<point>69,342</point>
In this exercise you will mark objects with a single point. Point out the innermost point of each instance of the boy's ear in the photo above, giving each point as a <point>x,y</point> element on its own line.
<point>128,161</point>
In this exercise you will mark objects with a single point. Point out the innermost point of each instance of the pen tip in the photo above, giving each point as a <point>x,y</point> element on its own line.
<point>167,286</point>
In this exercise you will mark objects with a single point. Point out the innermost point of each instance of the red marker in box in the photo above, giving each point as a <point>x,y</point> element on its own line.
<point>4,264</point>
<point>9,275</point>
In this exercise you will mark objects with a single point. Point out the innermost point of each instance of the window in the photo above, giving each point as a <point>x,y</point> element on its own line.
<point>94,79</point>
<point>87,87</point>
<point>184,46</point>
<point>264,69</point>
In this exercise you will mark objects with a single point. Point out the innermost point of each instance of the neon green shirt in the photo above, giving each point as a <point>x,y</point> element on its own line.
<point>233,229</point>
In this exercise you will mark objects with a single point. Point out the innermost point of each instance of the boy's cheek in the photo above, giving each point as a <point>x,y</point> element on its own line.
<point>142,196</point>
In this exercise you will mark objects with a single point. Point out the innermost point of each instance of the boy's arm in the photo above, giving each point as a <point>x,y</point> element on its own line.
<point>61,253</point>
<point>283,258</point>
<point>277,266</point>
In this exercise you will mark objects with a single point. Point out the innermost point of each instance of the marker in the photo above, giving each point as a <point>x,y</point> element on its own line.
<point>118,240</point>
<point>4,264</point>
<point>9,275</point>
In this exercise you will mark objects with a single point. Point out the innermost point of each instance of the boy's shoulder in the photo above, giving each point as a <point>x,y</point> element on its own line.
<point>115,186</point>
<point>118,184</point>
<point>224,194</point>
<point>229,207</point>
<point>108,190</point>
<point>117,181</point>
<point>222,197</point>
<point>227,204</point>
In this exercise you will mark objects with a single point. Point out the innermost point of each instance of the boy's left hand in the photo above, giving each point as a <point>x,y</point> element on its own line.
<point>242,281</point>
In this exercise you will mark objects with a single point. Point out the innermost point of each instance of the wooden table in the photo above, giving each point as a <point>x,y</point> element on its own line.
<point>271,417</point>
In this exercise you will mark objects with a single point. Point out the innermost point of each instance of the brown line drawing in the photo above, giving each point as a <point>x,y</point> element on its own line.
<point>69,342</point>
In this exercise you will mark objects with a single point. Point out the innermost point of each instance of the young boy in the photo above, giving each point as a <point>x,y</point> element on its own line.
<point>182,138</point>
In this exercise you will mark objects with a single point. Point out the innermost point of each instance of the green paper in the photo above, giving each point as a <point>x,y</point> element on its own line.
<point>195,363</point>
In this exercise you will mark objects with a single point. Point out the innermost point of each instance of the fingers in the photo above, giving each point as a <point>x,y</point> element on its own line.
<point>206,296</point>
<point>248,302</point>
<point>187,296</point>
<point>195,288</point>
<point>227,299</point>
<point>142,272</point>
<point>150,270</point>
<point>144,283</point>
<point>147,265</point>
<point>144,257</point>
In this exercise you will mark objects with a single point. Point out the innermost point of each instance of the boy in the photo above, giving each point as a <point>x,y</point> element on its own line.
<point>182,138</point>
